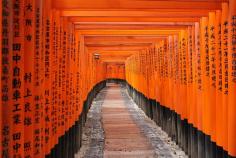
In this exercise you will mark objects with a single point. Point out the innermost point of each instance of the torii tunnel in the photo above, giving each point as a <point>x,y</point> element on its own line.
<point>118,78</point>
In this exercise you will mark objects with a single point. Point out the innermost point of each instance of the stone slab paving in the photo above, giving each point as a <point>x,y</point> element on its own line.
<point>123,138</point>
<point>117,128</point>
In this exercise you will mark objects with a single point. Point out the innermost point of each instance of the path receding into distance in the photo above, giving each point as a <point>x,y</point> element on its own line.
<point>117,128</point>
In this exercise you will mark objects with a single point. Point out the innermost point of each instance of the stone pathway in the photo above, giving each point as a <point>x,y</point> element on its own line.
<point>123,137</point>
<point>117,128</point>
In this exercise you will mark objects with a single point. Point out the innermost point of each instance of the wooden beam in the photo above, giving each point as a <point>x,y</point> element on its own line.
<point>134,4</point>
<point>79,20</point>
<point>117,48</point>
<point>122,39</point>
<point>129,26</point>
<point>169,23</point>
<point>115,57</point>
<point>153,33</point>
<point>113,61</point>
<point>118,52</point>
<point>119,45</point>
<point>137,13</point>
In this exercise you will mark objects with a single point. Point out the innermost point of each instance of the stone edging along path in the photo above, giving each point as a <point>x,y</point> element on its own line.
<point>162,144</point>
<point>93,134</point>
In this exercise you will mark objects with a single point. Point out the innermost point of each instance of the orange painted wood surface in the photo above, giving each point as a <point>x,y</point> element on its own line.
<point>232,79</point>
<point>180,53</point>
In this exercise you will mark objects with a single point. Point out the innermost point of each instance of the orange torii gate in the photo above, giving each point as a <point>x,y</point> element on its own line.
<point>177,57</point>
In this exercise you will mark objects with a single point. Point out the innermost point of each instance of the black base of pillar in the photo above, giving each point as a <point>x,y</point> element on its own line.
<point>70,143</point>
<point>193,141</point>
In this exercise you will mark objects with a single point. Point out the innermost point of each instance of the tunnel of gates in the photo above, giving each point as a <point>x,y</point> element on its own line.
<point>185,81</point>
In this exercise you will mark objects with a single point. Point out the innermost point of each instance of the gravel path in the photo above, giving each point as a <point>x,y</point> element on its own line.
<point>93,144</point>
<point>93,134</point>
<point>162,144</point>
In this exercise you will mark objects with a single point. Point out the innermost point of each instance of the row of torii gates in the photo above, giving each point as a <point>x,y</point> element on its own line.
<point>178,56</point>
